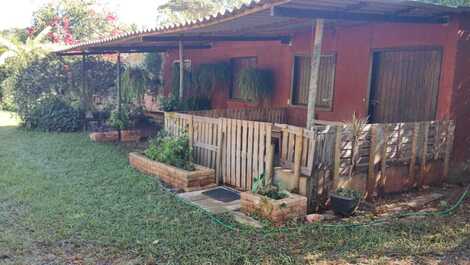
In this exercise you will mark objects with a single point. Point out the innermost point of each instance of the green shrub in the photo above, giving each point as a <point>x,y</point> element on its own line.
<point>262,186</point>
<point>119,120</point>
<point>54,115</point>
<point>171,150</point>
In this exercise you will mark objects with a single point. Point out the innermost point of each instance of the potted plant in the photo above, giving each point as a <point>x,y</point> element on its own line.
<point>344,201</point>
<point>169,158</point>
<point>272,202</point>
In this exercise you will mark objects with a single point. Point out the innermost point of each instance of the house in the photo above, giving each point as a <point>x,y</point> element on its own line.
<point>391,61</point>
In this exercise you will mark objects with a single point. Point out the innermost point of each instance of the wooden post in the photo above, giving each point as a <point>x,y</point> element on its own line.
<point>372,176</point>
<point>424,152</point>
<point>383,153</point>
<point>269,153</point>
<point>337,154</point>
<point>414,150</point>
<point>181,59</point>
<point>118,88</point>
<point>449,145</point>
<point>220,150</point>
<point>299,135</point>
<point>191,130</point>
<point>314,72</point>
<point>118,81</point>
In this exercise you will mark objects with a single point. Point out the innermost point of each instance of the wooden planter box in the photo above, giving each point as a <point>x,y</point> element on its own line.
<point>199,179</point>
<point>277,211</point>
<point>113,136</point>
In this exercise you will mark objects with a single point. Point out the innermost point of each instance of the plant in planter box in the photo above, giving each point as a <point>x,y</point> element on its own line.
<point>345,201</point>
<point>172,150</point>
<point>262,186</point>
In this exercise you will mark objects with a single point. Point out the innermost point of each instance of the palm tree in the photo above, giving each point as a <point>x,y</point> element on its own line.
<point>37,46</point>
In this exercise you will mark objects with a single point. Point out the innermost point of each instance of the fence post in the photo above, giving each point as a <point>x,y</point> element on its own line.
<point>269,153</point>
<point>299,135</point>
<point>414,150</point>
<point>191,131</point>
<point>337,154</point>
<point>424,152</point>
<point>371,175</point>
<point>220,146</point>
<point>449,145</point>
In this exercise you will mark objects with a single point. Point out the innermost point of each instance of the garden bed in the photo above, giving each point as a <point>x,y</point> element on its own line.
<point>200,178</point>
<point>113,136</point>
<point>293,207</point>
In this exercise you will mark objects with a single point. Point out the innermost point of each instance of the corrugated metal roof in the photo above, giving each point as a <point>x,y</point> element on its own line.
<point>256,18</point>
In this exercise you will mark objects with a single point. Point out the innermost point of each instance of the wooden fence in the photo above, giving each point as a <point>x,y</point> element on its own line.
<point>376,158</point>
<point>274,115</point>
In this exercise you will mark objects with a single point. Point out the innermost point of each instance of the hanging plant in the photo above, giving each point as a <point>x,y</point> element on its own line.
<point>207,76</point>
<point>134,84</point>
<point>255,84</point>
<point>175,81</point>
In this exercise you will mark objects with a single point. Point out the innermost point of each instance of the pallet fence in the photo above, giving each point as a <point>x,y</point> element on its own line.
<point>377,159</point>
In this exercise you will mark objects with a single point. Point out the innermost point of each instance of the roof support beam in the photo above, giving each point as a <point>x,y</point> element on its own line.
<point>312,13</point>
<point>314,72</point>
<point>129,49</point>
<point>282,39</point>
<point>181,58</point>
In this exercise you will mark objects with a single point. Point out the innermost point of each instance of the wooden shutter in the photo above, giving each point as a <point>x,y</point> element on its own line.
<point>239,64</point>
<point>326,80</point>
<point>405,85</point>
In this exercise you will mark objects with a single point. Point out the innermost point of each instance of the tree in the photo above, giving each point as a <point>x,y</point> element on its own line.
<point>75,20</point>
<point>176,11</point>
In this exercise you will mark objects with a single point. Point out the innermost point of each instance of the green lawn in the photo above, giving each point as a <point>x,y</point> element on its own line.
<point>66,200</point>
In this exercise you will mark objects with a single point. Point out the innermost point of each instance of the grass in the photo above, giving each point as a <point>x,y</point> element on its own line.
<point>64,199</point>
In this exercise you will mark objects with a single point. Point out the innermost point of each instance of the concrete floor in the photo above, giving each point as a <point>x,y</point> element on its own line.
<point>218,207</point>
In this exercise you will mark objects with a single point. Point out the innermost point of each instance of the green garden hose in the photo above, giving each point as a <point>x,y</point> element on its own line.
<point>443,213</point>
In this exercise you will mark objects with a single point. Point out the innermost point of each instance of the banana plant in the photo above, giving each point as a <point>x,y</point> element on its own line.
<point>32,46</point>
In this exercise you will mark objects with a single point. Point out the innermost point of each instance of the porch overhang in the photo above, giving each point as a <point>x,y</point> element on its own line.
<point>265,20</point>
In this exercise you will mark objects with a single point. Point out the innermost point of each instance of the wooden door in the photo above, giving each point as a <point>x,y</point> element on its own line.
<point>404,85</point>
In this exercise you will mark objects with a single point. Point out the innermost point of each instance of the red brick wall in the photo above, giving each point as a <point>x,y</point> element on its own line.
<point>353,45</point>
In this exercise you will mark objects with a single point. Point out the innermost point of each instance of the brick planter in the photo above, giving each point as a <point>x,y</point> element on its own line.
<point>277,211</point>
<point>199,179</point>
<point>113,136</point>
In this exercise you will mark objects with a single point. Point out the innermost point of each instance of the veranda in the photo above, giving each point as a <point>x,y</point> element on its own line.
<point>373,158</point>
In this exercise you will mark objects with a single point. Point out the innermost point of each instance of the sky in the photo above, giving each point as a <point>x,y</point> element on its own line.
<point>18,13</point>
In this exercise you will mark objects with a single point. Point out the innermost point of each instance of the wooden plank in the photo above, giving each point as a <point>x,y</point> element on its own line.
<point>224,148</point>
<point>238,153</point>
<point>424,153</point>
<point>314,72</point>
<point>449,144</point>
<point>291,145</point>
<point>220,148</point>
<point>337,152</point>
<point>299,136</point>
<point>285,142</point>
<point>256,149</point>
<point>371,175</point>
<point>244,142</point>
<point>249,156</point>
<point>414,152</point>
<point>269,153</point>
<point>262,148</point>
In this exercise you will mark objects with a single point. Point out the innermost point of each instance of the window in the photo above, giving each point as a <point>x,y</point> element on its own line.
<point>239,64</point>
<point>326,81</point>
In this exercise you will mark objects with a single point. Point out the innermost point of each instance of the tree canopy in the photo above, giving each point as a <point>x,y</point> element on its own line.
<point>175,11</point>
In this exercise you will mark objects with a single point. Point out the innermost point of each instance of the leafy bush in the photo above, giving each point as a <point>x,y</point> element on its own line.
<point>171,150</point>
<point>119,120</point>
<point>54,115</point>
